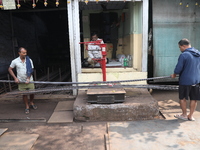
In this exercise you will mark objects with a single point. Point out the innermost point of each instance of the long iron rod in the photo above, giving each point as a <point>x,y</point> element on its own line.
<point>162,87</point>
<point>94,82</point>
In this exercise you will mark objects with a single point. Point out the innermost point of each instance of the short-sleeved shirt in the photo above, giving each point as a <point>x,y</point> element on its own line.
<point>94,51</point>
<point>21,69</point>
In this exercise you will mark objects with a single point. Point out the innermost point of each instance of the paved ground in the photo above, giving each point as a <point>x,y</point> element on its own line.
<point>154,135</point>
<point>169,133</point>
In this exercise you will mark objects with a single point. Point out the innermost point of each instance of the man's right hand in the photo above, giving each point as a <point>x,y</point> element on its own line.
<point>16,80</point>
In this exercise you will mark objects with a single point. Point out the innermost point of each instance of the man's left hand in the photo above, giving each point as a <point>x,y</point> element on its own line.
<point>27,81</point>
<point>173,76</point>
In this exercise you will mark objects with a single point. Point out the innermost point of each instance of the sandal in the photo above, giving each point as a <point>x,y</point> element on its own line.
<point>26,111</point>
<point>33,106</point>
<point>180,117</point>
<point>191,119</point>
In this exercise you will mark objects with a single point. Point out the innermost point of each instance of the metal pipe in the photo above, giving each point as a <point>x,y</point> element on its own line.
<point>94,82</point>
<point>44,90</point>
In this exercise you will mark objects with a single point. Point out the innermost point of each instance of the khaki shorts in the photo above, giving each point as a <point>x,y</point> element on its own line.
<point>24,86</point>
<point>91,61</point>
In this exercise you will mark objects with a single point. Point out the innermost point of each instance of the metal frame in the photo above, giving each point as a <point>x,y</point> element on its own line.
<point>145,26</point>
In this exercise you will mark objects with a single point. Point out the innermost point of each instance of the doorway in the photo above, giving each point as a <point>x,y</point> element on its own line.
<point>102,25</point>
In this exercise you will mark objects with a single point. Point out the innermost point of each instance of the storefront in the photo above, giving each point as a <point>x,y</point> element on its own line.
<point>133,36</point>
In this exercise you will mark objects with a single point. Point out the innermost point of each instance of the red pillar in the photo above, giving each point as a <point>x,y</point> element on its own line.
<point>103,61</point>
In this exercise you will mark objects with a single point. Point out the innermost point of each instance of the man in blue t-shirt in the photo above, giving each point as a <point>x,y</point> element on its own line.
<point>188,69</point>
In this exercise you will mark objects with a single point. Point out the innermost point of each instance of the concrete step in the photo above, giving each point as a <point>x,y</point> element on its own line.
<point>138,105</point>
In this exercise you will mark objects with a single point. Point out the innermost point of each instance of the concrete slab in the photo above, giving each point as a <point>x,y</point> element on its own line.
<point>154,134</point>
<point>2,130</point>
<point>76,136</point>
<point>139,105</point>
<point>61,117</point>
<point>64,105</point>
<point>19,141</point>
<point>14,112</point>
<point>93,135</point>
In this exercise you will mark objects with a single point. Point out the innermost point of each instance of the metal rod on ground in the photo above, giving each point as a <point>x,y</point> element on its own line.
<point>9,83</point>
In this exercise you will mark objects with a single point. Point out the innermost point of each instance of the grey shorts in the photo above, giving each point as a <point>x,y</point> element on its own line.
<point>189,92</point>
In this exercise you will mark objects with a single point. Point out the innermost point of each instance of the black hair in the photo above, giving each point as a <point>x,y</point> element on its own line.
<point>184,42</point>
<point>94,33</point>
<point>19,50</point>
